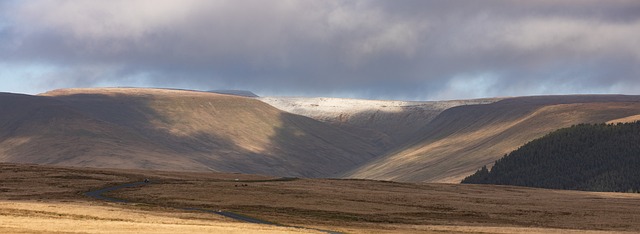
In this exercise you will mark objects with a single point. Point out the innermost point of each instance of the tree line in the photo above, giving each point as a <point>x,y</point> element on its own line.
<point>592,157</point>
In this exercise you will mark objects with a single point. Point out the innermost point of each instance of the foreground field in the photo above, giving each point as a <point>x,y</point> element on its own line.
<point>361,206</point>
<point>38,199</point>
<point>86,217</point>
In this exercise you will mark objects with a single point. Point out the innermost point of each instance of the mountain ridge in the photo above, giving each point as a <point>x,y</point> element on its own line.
<point>201,131</point>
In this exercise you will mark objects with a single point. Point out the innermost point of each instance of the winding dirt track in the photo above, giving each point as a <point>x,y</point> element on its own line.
<point>98,194</point>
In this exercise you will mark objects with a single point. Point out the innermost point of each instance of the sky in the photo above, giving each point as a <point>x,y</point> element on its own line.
<point>392,49</point>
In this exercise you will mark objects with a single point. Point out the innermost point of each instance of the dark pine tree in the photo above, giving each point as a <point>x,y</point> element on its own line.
<point>594,157</point>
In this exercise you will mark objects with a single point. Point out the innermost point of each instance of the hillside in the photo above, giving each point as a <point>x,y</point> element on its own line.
<point>597,157</point>
<point>462,139</point>
<point>390,123</point>
<point>172,130</point>
<point>202,131</point>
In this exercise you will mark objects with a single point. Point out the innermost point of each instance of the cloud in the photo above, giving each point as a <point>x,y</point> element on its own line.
<point>370,49</point>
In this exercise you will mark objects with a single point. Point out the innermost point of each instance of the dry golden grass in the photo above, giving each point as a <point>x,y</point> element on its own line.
<point>44,199</point>
<point>627,119</point>
<point>85,217</point>
<point>463,140</point>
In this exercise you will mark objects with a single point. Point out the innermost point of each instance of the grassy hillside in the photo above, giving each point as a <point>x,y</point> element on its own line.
<point>584,157</point>
<point>202,131</point>
<point>462,139</point>
<point>172,130</point>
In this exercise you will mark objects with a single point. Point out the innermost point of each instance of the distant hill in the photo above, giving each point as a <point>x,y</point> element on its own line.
<point>596,157</point>
<point>463,138</point>
<point>172,130</point>
<point>184,130</point>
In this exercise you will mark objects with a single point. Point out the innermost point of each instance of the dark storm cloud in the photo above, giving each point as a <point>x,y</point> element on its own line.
<point>372,49</point>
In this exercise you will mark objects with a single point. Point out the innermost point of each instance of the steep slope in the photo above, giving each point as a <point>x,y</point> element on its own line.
<point>389,123</point>
<point>172,130</point>
<point>462,139</point>
<point>598,157</point>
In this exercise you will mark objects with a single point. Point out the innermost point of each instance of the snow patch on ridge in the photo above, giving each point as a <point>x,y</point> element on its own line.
<point>330,109</point>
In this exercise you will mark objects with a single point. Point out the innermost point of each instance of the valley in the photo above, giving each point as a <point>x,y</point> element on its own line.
<point>462,139</point>
<point>395,122</point>
<point>349,166</point>
<point>183,130</point>
<point>334,117</point>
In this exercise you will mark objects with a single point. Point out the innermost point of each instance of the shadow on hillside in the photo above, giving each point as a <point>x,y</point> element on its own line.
<point>126,130</point>
<point>129,136</point>
<point>129,126</point>
<point>322,149</point>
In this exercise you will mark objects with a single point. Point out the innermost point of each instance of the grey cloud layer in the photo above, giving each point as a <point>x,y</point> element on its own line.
<point>379,49</point>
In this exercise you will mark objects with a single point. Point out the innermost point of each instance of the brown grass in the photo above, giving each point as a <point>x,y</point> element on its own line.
<point>373,206</point>
<point>44,199</point>
<point>40,199</point>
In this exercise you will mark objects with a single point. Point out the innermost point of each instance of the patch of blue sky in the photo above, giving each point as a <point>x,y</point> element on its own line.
<point>476,85</point>
<point>29,79</point>
<point>140,79</point>
<point>145,79</point>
